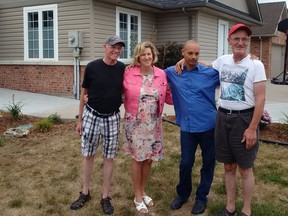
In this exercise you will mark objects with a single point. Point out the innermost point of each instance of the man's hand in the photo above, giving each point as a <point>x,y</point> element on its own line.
<point>180,66</point>
<point>249,137</point>
<point>79,128</point>
<point>254,57</point>
<point>86,98</point>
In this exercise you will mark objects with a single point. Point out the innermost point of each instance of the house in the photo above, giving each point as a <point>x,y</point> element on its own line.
<point>267,42</point>
<point>37,38</point>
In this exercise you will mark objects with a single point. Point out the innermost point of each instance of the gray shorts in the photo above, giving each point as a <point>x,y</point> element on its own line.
<point>228,136</point>
<point>94,127</point>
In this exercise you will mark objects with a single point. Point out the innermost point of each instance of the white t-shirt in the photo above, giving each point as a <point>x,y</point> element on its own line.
<point>237,80</point>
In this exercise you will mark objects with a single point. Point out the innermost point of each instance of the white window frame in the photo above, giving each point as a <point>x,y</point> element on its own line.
<point>129,12</point>
<point>40,9</point>
<point>223,27</point>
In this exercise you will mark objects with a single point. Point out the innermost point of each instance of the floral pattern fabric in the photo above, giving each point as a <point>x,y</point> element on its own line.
<point>143,133</point>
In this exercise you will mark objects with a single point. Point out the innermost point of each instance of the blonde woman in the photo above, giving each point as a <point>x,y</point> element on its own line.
<point>146,90</point>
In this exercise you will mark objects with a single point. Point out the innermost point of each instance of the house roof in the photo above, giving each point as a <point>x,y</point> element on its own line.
<point>166,5</point>
<point>272,14</point>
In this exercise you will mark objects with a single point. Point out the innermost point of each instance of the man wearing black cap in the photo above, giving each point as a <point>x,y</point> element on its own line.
<point>100,117</point>
<point>241,105</point>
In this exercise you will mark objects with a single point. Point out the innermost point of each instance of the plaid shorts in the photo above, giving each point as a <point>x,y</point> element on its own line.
<point>94,126</point>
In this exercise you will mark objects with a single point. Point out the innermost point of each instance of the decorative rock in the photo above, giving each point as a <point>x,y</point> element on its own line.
<point>20,131</point>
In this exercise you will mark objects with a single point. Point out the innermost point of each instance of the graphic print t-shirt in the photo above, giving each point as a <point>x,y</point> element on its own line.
<point>237,80</point>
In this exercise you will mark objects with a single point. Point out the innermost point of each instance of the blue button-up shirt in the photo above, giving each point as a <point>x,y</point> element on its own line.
<point>193,95</point>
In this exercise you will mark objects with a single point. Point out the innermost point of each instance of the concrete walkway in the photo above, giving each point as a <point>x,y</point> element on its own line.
<point>41,105</point>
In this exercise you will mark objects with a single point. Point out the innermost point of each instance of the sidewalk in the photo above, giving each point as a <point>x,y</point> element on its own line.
<point>41,105</point>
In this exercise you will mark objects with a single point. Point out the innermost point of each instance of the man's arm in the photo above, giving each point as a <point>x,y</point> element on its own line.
<point>181,63</point>
<point>84,92</point>
<point>250,134</point>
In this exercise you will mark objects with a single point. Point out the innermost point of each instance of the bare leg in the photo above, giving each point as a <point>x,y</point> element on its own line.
<point>146,167</point>
<point>248,184</point>
<point>107,176</point>
<point>136,172</point>
<point>230,182</point>
<point>87,172</point>
<point>136,169</point>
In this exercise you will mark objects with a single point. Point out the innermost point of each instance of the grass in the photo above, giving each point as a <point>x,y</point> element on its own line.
<point>42,174</point>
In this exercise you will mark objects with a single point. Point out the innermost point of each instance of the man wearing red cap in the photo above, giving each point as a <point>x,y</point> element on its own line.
<point>241,105</point>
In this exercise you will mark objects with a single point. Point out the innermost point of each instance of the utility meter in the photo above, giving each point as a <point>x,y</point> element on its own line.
<point>75,39</point>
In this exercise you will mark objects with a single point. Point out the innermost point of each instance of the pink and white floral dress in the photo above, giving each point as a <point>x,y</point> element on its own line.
<point>142,136</point>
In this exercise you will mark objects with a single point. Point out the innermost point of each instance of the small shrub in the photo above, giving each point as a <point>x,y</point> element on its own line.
<point>44,125</point>
<point>15,108</point>
<point>265,120</point>
<point>55,118</point>
<point>169,54</point>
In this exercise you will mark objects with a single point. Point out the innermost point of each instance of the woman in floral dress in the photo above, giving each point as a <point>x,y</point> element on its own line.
<point>146,90</point>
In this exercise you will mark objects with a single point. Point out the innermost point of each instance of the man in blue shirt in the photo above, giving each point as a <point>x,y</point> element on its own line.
<point>195,107</point>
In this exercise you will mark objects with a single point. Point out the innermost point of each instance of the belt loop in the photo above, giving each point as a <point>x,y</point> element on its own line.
<point>230,112</point>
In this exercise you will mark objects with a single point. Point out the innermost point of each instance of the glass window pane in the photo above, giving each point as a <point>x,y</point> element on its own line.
<point>48,34</point>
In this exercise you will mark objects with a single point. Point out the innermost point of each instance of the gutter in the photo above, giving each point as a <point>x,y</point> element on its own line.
<point>261,46</point>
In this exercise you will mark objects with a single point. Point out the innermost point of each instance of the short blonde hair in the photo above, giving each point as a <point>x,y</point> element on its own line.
<point>139,49</point>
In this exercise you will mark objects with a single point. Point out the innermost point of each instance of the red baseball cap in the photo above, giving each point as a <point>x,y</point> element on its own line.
<point>239,26</point>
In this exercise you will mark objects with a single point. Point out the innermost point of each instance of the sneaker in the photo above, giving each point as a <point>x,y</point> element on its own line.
<point>176,203</point>
<point>227,213</point>
<point>79,203</point>
<point>107,206</point>
<point>198,208</point>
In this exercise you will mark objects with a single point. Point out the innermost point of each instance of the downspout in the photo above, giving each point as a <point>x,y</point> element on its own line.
<point>261,46</point>
<point>190,23</point>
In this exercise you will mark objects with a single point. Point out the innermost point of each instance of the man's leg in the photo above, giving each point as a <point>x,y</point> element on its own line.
<point>84,194</point>
<point>207,145</point>
<point>107,176</point>
<point>248,184</point>
<point>188,148</point>
<point>230,183</point>
<point>87,172</point>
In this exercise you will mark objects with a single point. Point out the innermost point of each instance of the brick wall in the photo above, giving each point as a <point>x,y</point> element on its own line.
<point>47,79</point>
<point>267,42</point>
<point>255,47</point>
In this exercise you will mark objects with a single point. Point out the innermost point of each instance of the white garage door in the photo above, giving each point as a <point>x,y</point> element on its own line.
<point>277,60</point>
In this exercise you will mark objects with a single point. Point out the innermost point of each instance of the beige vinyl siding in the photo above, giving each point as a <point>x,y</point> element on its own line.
<point>74,15</point>
<point>149,28</point>
<point>173,27</point>
<point>104,26</point>
<point>240,5</point>
<point>208,36</point>
<point>11,34</point>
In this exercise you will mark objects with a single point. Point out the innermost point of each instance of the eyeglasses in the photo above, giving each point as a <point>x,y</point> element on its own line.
<point>238,39</point>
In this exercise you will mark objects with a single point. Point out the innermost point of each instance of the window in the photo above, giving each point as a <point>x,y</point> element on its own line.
<point>222,37</point>
<point>128,27</point>
<point>41,33</point>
